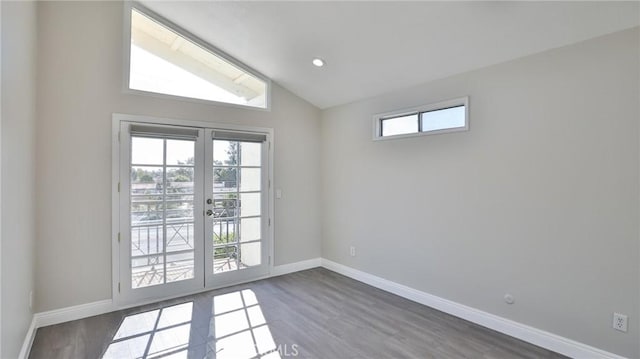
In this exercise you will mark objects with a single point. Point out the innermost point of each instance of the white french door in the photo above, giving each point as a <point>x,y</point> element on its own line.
<point>235,203</point>
<point>193,209</point>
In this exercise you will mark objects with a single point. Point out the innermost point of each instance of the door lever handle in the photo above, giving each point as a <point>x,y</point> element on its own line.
<point>209,213</point>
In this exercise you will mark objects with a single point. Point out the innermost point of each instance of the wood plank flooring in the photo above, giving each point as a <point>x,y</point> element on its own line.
<point>311,314</point>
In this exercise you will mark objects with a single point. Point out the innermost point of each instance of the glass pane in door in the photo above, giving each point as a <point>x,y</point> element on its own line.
<point>236,206</point>
<point>162,210</point>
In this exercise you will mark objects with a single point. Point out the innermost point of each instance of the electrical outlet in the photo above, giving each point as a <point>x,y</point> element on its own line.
<point>352,251</point>
<point>620,322</point>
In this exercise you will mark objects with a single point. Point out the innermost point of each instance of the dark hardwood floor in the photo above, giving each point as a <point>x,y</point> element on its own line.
<point>311,314</point>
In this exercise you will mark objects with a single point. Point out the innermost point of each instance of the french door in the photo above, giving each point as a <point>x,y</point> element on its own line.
<point>193,209</point>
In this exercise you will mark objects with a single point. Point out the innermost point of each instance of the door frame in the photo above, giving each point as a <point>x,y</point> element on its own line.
<point>117,119</point>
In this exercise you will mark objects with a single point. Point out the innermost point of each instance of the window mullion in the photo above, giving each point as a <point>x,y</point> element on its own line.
<point>446,116</point>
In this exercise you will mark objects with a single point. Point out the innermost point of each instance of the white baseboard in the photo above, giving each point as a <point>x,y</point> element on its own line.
<point>28,340</point>
<point>523,332</point>
<point>76,312</point>
<point>62,315</point>
<point>296,267</point>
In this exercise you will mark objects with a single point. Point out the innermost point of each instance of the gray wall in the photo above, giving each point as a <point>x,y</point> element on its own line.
<point>80,86</point>
<point>539,199</point>
<point>18,171</point>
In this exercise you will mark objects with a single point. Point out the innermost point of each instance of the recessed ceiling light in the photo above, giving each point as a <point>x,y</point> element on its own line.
<point>318,62</point>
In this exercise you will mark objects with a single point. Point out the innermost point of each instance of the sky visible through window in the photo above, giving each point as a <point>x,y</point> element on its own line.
<point>442,119</point>
<point>150,150</point>
<point>400,125</point>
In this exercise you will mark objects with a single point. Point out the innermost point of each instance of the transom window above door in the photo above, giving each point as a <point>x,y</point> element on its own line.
<point>166,59</point>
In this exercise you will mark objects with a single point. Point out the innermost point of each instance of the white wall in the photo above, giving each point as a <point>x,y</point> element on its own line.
<point>539,199</point>
<point>18,171</point>
<point>80,86</point>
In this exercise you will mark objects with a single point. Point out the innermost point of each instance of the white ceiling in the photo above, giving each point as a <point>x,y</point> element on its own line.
<point>371,48</point>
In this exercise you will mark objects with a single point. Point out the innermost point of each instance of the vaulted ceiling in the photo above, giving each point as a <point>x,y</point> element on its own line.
<point>371,48</point>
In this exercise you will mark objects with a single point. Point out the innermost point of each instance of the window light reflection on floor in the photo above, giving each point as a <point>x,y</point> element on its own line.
<point>153,333</point>
<point>237,329</point>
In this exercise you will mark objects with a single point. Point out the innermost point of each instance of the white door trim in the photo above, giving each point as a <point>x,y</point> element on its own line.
<point>117,119</point>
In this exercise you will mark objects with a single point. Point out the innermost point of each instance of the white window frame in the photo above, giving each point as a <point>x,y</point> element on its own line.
<point>378,118</point>
<point>128,7</point>
<point>121,302</point>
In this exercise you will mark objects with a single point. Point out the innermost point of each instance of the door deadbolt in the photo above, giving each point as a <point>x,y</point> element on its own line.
<point>209,201</point>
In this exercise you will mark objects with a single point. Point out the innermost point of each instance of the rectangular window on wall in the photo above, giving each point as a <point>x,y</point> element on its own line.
<point>446,116</point>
